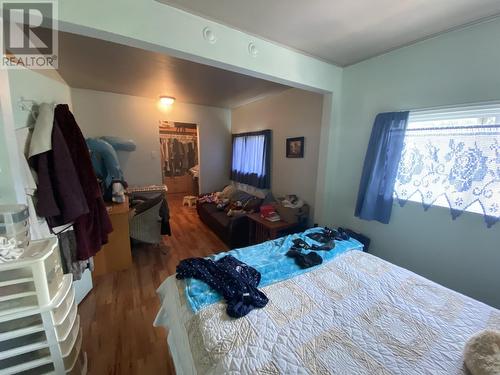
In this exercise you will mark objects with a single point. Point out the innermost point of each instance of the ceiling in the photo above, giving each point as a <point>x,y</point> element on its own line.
<point>343,31</point>
<point>95,64</point>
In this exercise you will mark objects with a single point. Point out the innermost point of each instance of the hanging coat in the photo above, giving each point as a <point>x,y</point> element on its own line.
<point>60,196</point>
<point>91,229</point>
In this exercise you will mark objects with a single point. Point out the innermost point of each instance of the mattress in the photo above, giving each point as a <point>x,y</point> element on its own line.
<point>357,314</point>
<point>269,259</point>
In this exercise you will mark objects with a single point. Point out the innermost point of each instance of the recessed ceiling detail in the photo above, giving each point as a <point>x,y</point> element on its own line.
<point>252,49</point>
<point>342,31</point>
<point>209,35</point>
<point>95,64</point>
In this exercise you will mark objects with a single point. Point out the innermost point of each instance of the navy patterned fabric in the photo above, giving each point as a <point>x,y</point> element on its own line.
<point>236,281</point>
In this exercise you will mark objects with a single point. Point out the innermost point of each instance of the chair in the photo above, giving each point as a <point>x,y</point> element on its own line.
<point>145,222</point>
<point>189,200</point>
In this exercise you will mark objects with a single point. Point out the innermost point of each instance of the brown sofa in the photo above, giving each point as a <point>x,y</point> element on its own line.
<point>232,230</point>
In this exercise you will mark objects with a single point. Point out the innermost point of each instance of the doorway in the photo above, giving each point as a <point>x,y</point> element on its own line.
<point>179,157</point>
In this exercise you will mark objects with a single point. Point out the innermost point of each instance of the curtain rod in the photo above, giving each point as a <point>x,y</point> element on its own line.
<point>452,106</point>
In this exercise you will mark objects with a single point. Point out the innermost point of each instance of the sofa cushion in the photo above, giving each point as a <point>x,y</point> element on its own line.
<point>253,204</point>
<point>227,192</point>
<point>209,208</point>
<point>241,196</point>
<point>221,218</point>
<point>232,230</point>
<point>217,217</point>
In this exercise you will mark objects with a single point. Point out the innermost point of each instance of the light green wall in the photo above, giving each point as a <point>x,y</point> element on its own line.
<point>7,161</point>
<point>7,192</point>
<point>39,86</point>
<point>454,68</point>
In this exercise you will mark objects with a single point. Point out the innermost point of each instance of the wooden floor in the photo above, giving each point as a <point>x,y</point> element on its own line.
<point>117,316</point>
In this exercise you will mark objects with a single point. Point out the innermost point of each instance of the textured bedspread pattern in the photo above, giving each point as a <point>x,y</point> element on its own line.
<point>356,315</point>
<point>269,259</point>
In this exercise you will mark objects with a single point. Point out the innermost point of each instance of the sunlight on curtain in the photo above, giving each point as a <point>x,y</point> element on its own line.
<point>249,155</point>
<point>452,159</point>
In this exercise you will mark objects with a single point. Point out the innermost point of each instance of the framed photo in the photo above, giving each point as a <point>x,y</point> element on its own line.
<point>295,147</point>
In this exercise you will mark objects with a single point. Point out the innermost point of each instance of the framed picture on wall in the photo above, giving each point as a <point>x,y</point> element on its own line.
<point>295,147</point>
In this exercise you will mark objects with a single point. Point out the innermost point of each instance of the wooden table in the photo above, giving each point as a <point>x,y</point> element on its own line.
<point>263,230</point>
<point>116,254</point>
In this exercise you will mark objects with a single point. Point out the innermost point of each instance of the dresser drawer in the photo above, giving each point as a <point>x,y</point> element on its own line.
<point>32,280</point>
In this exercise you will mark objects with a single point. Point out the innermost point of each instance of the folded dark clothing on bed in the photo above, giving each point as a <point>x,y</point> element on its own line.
<point>299,243</point>
<point>236,281</point>
<point>304,260</point>
<point>327,235</point>
<point>342,235</point>
<point>319,237</point>
<point>325,247</point>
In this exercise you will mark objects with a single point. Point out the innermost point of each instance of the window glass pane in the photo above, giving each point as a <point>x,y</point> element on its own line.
<point>452,158</point>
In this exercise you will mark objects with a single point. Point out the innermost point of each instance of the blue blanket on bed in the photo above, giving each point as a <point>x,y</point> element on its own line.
<point>270,260</point>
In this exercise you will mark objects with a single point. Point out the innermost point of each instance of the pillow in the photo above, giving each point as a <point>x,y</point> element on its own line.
<point>269,199</point>
<point>482,353</point>
<point>241,196</point>
<point>235,213</point>
<point>259,193</point>
<point>253,204</point>
<point>227,192</point>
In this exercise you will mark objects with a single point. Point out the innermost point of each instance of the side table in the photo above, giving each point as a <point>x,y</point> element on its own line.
<point>262,230</point>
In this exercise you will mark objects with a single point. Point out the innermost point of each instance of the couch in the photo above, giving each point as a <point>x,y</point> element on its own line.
<point>232,230</point>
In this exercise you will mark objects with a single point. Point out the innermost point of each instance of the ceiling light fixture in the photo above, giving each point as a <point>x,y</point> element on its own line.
<point>167,100</point>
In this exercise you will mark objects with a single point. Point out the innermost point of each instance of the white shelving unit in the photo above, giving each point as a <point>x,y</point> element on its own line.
<point>39,323</point>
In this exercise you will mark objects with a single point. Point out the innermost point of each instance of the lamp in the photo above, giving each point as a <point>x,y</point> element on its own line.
<point>167,100</point>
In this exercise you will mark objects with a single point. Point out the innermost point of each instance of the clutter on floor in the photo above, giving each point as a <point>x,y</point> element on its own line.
<point>189,200</point>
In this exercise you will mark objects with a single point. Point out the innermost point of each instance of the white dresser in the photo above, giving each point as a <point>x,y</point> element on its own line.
<point>39,323</point>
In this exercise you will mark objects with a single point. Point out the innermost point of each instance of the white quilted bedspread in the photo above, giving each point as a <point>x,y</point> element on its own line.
<point>356,315</point>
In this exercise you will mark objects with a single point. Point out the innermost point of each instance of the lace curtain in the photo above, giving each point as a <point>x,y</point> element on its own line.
<point>453,160</point>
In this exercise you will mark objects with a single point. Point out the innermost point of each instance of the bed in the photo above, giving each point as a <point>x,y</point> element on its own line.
<point>354,314</point>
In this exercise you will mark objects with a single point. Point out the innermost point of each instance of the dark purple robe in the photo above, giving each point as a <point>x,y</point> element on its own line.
<point>60,196</point>
<point>92,228</point>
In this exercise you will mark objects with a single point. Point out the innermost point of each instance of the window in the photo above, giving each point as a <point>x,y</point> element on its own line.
<point>451,158</point>
<point>251,162</point>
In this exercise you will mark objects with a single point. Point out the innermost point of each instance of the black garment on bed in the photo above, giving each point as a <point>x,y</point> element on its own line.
<point>304,260</point>
<point>236,281</point>
<point>299,243</point>
<point>327,235</point>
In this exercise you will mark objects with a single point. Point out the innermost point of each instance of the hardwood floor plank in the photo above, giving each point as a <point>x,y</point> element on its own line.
<point>117,315</point>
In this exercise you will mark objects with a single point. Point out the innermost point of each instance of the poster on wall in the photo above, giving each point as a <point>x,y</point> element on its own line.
<point>295,147</point>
